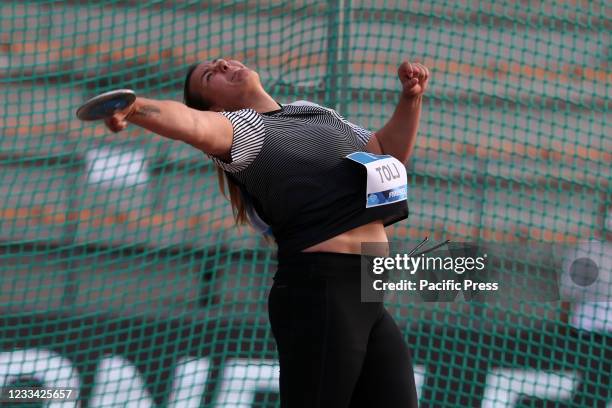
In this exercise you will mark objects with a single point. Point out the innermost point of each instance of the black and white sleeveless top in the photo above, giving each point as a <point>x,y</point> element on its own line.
<point>291,165</point>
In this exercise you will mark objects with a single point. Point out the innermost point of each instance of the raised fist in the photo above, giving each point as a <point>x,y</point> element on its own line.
<point>414,78</point>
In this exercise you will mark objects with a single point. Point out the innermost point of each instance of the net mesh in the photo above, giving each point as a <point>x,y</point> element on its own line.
<point>123,277</point>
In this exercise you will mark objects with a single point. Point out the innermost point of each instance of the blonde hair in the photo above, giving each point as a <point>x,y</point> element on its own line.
<point>234,195</point>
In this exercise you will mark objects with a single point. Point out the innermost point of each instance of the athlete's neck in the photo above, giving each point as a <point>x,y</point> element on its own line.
<point>262,103</point>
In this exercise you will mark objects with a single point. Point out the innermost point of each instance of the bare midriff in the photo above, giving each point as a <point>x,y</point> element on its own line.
<point>349,242</point>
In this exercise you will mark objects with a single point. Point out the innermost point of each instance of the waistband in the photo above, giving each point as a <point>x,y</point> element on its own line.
<point>304,265</point>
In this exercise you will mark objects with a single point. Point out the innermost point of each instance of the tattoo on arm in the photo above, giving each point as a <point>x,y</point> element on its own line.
<point>146,110</point>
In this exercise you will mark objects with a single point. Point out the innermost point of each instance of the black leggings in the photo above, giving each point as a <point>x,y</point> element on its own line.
<point>334,350</point>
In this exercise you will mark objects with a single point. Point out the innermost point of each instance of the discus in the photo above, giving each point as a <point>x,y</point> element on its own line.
<point>105,105</point>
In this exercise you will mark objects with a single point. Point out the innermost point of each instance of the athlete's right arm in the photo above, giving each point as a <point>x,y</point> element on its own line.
<point>208,131</point>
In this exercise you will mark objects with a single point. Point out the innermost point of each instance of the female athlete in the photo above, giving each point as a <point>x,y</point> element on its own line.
<point>294,169</point>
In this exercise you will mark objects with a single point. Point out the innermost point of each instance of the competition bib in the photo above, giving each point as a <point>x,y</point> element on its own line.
<point>386,181</point>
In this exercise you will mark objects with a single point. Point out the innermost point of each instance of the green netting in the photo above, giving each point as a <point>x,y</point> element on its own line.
<point>123,277</point>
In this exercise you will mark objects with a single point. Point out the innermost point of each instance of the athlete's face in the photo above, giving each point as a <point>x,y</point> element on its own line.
<point>224,84</point>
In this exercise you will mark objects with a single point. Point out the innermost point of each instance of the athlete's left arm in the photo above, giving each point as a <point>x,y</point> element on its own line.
<point>398,135</point>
